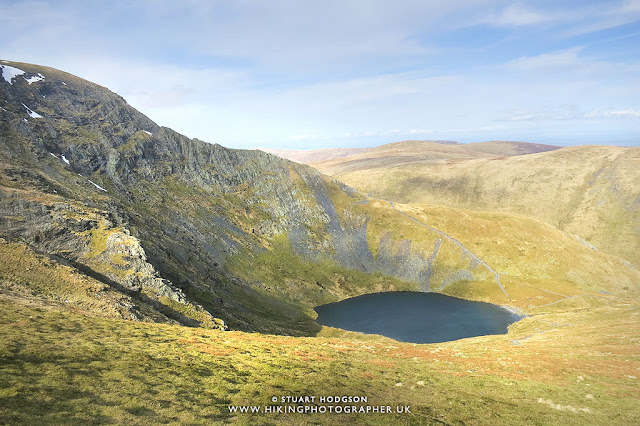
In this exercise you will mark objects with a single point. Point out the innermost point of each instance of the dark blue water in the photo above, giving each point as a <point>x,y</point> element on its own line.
<point>416,317</point>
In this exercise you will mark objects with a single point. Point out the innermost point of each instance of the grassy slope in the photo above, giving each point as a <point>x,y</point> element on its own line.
<point>306,284</point>
<point>26,275</point>
<point>40,281</point>
<point>313,155</point>
<point>418,152</point>
<point>574,367</point>
<point>589,191</point>
<point>575,361</point>
<point>535,261</point>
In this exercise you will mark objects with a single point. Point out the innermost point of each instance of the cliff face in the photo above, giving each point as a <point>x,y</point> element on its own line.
<point>86,178</point>
<point>196,231</point>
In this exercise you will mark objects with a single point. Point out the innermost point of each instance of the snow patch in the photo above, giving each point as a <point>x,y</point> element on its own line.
<point>63,83</point>
<point>32,113</point>
<point>53,154</point>
<point>97,186</point>
<point>35,78</point>
<point>9,73</point>
<point>64,159</point>
<point>147,132</point>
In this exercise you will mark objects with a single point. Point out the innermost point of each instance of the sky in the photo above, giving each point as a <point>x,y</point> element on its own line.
<point>301,74</point>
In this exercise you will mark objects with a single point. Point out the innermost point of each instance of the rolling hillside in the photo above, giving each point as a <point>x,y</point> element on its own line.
<point>243,236</point>
<point>146,277</point>
<point>314,155</point>
<point>591,192</point>
<point>418,152</point>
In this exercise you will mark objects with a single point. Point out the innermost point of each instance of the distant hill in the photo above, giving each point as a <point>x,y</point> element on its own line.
<point>324,154</point>
<point>402,152</point>
<point>314,155</point>
<point>413,151</point>
<point>510,148</point>
<point>590,191</point>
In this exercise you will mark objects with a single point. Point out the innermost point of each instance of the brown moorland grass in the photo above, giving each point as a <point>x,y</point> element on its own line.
<point>589,191</point>
<point>566,365</point>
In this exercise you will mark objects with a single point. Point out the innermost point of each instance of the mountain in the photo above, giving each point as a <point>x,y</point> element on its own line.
<point>211,235</point>
<point>189,231</point>
<point>325,154</point>
<point>116,233</point>
<point>588,191</point>
<point>418,152</point>
<point>314,155</point>
<point>510,148</point>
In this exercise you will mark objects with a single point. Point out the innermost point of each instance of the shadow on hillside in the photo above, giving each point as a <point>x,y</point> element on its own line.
<point>137,296</point>
<point>254,311</point>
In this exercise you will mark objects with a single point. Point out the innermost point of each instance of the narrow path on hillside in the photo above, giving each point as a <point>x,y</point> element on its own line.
<point>546,291</point>
<point>459,244</point>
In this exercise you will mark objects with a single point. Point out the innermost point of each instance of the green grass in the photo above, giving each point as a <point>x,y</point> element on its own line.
<point>281,273</point>
<point>588,191</point>
<point>62,367</point>
<point>192,311</point>
<point>25,274</point>
<point>529,253</point>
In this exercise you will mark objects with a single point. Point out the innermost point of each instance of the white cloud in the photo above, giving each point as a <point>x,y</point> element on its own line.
<point>543,116</point>
<point>625,113</point>
<point>282,71</point>
<point>630,6</point>
<point>302,35</point>
<point>370,89</point>
<point>519,15</point>
<point>561,58</point>
<point>604,15</point>
<point>572,115</point>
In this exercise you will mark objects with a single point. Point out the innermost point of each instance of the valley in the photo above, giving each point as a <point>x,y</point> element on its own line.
<point>156,278</point>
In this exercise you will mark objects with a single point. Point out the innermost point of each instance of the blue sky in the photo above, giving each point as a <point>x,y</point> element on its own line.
<point>314,74</point>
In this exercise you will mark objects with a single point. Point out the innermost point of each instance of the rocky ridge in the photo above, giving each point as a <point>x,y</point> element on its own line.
<point>205,233</point>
